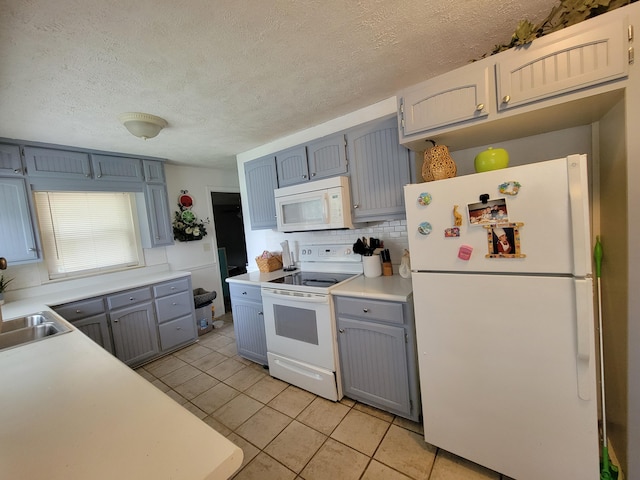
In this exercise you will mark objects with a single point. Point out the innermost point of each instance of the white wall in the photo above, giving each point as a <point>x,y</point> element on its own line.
<point>199,257</point>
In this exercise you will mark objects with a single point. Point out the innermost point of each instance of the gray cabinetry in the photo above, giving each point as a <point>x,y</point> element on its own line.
<point>160,230</point>
<point>118,169</point>
<point>248,322</point>
<point>376,342</point>
<point>89,316</point>
<point>10,162</point>
<point>153,171</point>
<point>135,338</point>
<point>261,180</point>
<point>175,313</point>
<point>379,168</point>
<point>292,166</point>
<point>53,163</point>
<point>322,158</point>
<point>17,234</point>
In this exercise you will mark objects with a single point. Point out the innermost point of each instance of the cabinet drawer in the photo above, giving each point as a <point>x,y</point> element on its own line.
<point>174,286</point>
<point>174,306</point>
<point>177,332</point>
<point>240,291</point>
<point>129,298</point>
<point>81,309</point>
<point>380,311</point>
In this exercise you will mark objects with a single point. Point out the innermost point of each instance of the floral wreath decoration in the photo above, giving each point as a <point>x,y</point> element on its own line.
<point>186,225</point>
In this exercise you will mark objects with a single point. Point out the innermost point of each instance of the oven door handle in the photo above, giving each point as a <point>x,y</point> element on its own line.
<point>284,297</point>
<point>325,209</point>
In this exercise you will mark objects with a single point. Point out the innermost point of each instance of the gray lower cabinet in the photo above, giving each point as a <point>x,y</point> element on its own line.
<point>135,339</point>
<point>379,167</point>
<point>261,179</point>
<point>90,317</point>
<point>175,312</point>
<point>376,344</point>
<point>248,322</point>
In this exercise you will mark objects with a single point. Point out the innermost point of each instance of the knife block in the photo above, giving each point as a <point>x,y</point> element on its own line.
<point>387,269</point>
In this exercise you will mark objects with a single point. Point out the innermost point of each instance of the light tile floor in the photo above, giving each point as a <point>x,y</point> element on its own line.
<point>289,433</point>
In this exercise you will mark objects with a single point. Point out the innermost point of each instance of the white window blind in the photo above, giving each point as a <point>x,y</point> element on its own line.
<point>86,232</point>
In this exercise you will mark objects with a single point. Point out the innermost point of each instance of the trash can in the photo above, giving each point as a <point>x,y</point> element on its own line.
<point>202,301</point>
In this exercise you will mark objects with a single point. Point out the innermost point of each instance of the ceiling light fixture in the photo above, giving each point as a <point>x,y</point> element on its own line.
<point>143,125</point>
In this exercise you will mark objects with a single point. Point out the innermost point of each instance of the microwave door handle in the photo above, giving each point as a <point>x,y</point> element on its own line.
<point>325,209</point>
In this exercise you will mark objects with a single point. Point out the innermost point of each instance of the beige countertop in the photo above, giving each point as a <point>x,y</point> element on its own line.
<point>393,288</point>
<point>69,409</point>
<point>257,277</point>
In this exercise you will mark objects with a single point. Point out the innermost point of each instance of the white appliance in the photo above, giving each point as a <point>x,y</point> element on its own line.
<point>318,205</point>
<point>506,341</point>
<point>299,319</point>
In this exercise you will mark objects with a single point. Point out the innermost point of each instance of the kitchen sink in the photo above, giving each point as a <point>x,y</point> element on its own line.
<point>30,328</point>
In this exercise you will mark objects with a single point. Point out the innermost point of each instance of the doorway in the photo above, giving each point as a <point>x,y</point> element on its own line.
<point>232,249</point>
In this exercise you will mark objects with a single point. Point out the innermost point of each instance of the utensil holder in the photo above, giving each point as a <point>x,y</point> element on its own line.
<point>372,265</point>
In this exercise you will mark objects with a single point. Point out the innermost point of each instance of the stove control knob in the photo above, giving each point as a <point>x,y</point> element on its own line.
<point>348,251</point>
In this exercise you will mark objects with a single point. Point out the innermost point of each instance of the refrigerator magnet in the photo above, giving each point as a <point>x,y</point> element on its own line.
<point>452,232</point>
<point>494,211</point>
<point>464,252</point>
<point>424,228</point>
<point>509,188</point>
<point>504,240</point>
<point>424,199</point>
<point>457,217</point>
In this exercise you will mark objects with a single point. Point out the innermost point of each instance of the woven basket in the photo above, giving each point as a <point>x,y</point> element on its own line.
<point>269,264</point>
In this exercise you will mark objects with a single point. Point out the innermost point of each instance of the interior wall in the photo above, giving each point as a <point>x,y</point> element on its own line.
<point>613,220</point>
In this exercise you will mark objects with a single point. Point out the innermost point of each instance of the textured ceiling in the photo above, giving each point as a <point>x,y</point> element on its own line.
<point>227,75</point>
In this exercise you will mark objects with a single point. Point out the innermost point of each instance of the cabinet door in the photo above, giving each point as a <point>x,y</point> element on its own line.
<point>51,163</point>
<point>17,235</point>
<point>10,163</point>
<point>135,338</point>
<point>119,169</point>
<point>261,179</point>
<point>248,324</point>
<point>448,99</point>
<point>379,168</point>
<point>373,361</point>
<point>559,64</point>
<point>292,166</point>
<point>97,329</point>
<point>327,157</point>
<point>158,215</point>
<point>153,171</point>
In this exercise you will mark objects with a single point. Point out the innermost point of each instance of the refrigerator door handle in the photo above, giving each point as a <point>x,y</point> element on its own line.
<point>584,336</point>
<point>579,204</point>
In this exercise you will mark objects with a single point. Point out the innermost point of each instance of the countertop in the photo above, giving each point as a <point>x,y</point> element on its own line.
<point>393,287</point>
<point>69,409</point>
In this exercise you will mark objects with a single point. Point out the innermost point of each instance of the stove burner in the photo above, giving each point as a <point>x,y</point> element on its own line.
<point>313,279</point>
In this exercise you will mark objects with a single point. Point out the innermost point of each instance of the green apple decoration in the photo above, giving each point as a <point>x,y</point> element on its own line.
<point>491,159</point>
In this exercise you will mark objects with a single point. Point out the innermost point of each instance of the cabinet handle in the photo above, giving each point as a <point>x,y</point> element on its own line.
<point>100,176</point>
<point>365,310</point>
<point>178,328</point>
<point>480,107</point>
<point>506,99</point>
<point>115,321</point>
<point>131,299</point>
<point>87,175</point>
<point>304,176</point>
<point>341,330</point>
<point>174,303</point>
<point>32,249</point>
<point>244,293</point>
<point>173,288</point>
<point>260,313</point>
<point>356,206</point>
<point>313,174</point>
<point>17,170</point>
<point>78,311</point>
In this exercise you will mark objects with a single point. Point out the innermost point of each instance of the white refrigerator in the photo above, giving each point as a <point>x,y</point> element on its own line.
<point>505,326</point>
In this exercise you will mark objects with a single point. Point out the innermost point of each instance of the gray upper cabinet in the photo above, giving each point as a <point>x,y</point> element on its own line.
<point>261,180</point>
<point>118,169</point>
<point>449,99</point>
<point>10,163</point>
<point>158,215</point>
<point>322,158</point>
<point>379,169</point>
<point>51,163</point>
<point>153,171</point>
<point>560,64</point>
<point>327,157</point>
<point>17,235</point>
<point>292,166</point>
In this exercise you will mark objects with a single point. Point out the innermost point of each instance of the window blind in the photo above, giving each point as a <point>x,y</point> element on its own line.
<point>86,232</point>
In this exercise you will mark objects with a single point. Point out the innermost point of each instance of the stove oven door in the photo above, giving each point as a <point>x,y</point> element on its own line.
<point>300,339</point>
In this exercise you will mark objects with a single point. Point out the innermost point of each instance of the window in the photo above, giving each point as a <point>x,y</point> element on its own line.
<point>87,232</point>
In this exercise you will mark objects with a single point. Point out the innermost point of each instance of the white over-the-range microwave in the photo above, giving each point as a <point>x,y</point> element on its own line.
<point>318,205</point>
